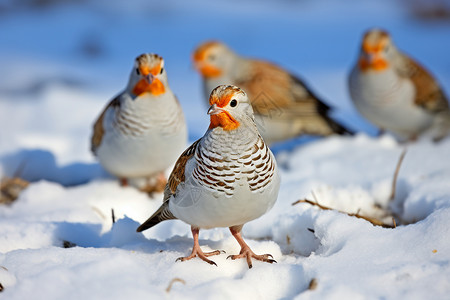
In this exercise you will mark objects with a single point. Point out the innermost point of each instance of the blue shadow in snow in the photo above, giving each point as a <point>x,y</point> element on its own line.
<point>36,164</point>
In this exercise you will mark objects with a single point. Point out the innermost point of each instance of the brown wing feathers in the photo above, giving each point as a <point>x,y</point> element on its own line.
<point>429,95</point>
<point>271,88</point>
<point>98,126</point>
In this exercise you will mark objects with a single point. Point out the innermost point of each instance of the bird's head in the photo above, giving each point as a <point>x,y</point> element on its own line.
<point>377,51</point>
<point>148,75</point>
<point>212,59</point>
<point>229,107</point>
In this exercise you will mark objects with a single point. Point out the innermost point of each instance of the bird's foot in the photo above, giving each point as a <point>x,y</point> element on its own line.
<point>247,253</point>
<point>123,182</point>
<point>197,252</point>
<point>155,184</point>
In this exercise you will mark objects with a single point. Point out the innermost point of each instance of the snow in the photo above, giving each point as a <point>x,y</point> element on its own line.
<point>61,64</point>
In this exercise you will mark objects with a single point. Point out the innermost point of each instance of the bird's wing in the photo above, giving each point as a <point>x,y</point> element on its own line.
<point>275,93</point>
<point>97,135</point>
<point>271,88</point>
<point>429,94</point>
<point>177,176</point>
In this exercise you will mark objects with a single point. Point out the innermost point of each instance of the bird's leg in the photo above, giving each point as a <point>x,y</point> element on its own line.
<point>155,184</point>
<point>161,182</point>
<point>197,251</point>
<point>245,249</point>
<point>123,181</point>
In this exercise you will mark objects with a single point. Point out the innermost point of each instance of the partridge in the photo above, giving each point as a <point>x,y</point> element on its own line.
<point>225,179</point>
<point>142,131</point>
<point>284,106</point>
<point>396,93</point>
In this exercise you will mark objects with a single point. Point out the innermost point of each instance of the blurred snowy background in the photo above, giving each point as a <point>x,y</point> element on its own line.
<point>62,61</point>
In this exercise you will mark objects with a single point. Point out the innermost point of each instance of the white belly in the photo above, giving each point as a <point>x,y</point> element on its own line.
<point>142,156</point>
<point>203,208</point>
<point>388,102</point>
<point>146,138</point>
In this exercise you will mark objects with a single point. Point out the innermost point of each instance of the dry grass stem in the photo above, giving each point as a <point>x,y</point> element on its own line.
<point>113,216</point>
<point>176,279</point>
<point>374,221</point>
<point>397,169</point>
<point>10,189</point>
<point>312,284</point>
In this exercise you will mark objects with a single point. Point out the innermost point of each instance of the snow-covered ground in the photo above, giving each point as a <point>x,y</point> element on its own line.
<point>60,64</point>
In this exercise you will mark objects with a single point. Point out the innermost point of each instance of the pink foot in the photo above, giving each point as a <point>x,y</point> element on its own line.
<point>156,185</point>
<point>197,251</point>
<point>246,252</point>
<point>123,181</point>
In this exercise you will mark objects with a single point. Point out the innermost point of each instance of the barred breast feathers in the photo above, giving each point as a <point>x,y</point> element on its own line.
<point>135,119</point>
<point>222,164</point>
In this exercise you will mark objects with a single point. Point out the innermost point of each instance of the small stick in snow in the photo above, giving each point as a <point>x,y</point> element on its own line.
<point>312,203</point>
<point>374,221</point>
<point>1,287</point>
<point>312,284</point>
<point>67,244</point>
<point>176,279</point>
<point>314,196</point>
<point>113,216</point>
<point>10,189</point>
<point>99,212</point>
<point>397,169</point>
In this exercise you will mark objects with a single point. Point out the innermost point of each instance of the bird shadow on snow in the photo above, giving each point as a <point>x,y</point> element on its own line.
<point>121,235</point>
<point>35,164</point>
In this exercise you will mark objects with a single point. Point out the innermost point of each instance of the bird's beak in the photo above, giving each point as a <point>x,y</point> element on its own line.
<point>150,77</point>
<point>214,110</point>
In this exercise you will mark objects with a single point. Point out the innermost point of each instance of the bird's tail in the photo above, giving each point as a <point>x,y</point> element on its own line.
<point>162,214</point>
<point>338,128</point>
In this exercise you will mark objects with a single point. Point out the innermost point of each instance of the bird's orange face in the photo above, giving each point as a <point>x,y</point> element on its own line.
<point>220,115</point>
<point>373,51</point>
<point>204,57</point>
<point>149,68</point>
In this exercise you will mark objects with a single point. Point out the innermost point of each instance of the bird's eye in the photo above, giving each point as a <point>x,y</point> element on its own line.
<point>162,70</point>
<point>137,71</point>
<point>233,103</point>
<point>386,48</point>
<point>211,57</point>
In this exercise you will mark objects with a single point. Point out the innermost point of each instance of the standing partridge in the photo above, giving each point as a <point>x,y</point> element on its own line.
<point>142,131</point>
<point>284,106</point>
<point>225,179</point>
<point>395,93</point>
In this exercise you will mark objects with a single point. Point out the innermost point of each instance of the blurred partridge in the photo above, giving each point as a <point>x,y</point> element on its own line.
<point>396,93</point>
<point>142,131</point>
<point>284,106</point>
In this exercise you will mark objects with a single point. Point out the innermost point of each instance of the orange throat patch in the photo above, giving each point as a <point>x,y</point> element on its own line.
<point>224,120</point>
<point>378,64</point>
<point>209,71</point>
<point>155,88</point>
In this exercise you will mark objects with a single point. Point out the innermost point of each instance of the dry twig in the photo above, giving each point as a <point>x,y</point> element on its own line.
<point>176,279</point>
<point>374,221</point>
<point>312,284</point>
<point>397,169</point>
<point>10,188</point>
